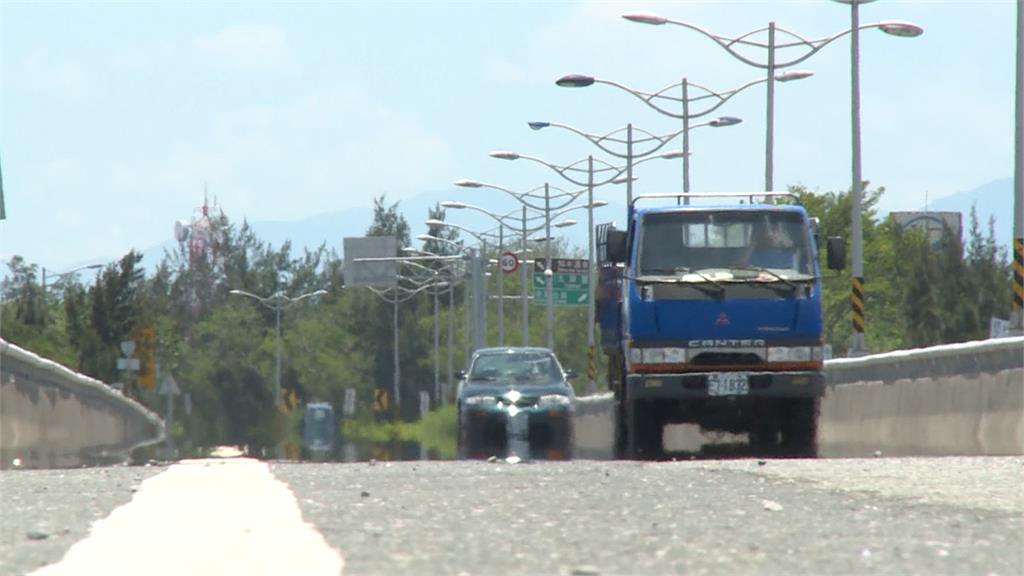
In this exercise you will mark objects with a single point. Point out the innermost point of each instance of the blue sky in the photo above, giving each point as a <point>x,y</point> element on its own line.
<point>114,115</point>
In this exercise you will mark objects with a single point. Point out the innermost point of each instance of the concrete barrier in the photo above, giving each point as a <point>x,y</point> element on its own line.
<point>53,417</point>
<point>957,399</point>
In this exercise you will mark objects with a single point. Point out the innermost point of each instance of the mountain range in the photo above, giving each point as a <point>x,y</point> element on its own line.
<point>992,199</point>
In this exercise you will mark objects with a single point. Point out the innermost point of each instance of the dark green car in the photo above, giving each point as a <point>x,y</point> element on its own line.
<point>515,400</point>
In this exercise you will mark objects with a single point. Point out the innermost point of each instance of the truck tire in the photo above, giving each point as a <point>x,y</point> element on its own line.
<point>799,427</point>
<point>644,430</point>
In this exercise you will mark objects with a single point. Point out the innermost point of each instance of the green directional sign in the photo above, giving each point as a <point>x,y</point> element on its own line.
<point>570,282</point>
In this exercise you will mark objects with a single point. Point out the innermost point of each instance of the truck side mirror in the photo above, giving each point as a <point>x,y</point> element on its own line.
<point>836,253</point>
<point>615,246</point>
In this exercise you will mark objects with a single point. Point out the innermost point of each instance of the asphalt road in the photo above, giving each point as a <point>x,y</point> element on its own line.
<point>874,516</point>
<point>44,512</point>
<point>883,516</point>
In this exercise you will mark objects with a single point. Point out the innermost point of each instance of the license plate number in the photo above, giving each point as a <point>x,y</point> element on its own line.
<point>728,384</point>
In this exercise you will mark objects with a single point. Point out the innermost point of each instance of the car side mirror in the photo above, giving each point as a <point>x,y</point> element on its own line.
<point>615,246</point>
<point>836,253</point>
<point>460,374</point>
<point>570,374</point>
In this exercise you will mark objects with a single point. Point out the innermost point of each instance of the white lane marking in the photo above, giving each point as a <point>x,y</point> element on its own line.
<point>204,517</point>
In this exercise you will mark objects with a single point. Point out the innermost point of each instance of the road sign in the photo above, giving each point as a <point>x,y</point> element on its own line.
<point>128,348</point>
<point>169,387</point>
<point>131,364</point>
<point>570,282</point>
<point>509,263</point>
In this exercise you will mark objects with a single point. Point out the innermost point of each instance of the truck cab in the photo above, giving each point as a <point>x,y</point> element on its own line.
<point>711,314</point>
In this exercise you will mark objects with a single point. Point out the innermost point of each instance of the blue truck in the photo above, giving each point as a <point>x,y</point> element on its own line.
<point>710,314</point>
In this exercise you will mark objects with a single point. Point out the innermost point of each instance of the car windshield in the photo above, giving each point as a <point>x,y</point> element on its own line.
<point>528,367</point>
<point>681,243</point>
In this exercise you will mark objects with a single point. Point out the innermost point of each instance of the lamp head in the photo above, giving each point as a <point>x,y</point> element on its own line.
<point>598,203</point>
<point>435,223</point>
<point>426,237</point>
<point>467,183</point>
<point>504,155</point>
<point>672,154</point>
<point>564,223</point>
<point>900,28</point>
<point>539,125</point>
<point>453,205</point>
<point>725,121</point>
<point>575,81</point>
<point>645,18</point>
<point>793,75</point>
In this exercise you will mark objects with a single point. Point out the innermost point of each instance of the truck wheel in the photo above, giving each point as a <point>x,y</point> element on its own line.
<point>643,436</point>
<point>800,427</point>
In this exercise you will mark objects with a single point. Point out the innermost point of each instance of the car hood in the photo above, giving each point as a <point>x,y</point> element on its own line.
<point>529,390</point>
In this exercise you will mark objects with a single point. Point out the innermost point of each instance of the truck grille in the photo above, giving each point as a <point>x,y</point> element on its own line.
<point>726,359</point>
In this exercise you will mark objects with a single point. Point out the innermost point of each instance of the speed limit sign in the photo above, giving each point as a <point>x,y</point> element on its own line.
<point>509,263</point>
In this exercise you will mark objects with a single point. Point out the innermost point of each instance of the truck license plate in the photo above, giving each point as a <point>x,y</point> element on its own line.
<point>728,384</point>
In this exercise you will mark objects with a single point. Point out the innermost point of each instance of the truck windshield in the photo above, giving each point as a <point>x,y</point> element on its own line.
<point>737,241</point>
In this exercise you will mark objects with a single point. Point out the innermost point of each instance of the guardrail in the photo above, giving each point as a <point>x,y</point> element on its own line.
<point>53,417</point>
<point>954,399</point>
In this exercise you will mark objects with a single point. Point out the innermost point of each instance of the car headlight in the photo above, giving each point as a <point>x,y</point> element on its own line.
<point>553,401</point>
<point>794,353</point>
<point>480,401</point>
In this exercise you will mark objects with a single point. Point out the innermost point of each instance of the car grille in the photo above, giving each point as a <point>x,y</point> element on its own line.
<point>523,402</point>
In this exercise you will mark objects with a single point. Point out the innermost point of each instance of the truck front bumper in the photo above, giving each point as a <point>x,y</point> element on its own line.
<point>695,385</point>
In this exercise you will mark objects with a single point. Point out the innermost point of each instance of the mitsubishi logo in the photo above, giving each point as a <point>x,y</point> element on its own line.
<point>722,320</point>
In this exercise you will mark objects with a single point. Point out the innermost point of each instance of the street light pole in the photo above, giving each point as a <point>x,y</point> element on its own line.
<point>810,47</point>
<point>501,288</point>
<point>1017,310</point>
<point>548,274</point>
<point>277,302</point>
<point>857,189</point>
<point>524,298</point>
<point>591,372</point>
<point>277,355</point>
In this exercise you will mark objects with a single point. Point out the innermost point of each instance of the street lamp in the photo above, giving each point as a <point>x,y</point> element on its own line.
<point>810,47</point>
<point>522,197</point>
<point>549,216</point>
<point>277,302</point>
<point>685,114</point>
<point>567,172</point>
<point>62,276</point>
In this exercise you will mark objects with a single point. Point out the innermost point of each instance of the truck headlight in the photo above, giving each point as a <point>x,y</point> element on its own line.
<point>794,353</point>
<point>635,356</point>
<point>553,401</point>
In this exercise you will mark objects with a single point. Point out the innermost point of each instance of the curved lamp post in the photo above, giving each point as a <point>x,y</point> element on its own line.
<point>549,216</point>
<point>62,276</point>
<point>524,198</point>
<point>615,177</point>
<point>791,41</point>
<point>277,302</point>
<point>653,100</point>
<point>809,48</point>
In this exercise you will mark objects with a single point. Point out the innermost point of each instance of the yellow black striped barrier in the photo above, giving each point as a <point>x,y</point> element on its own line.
<point>1018,274</point>
<point>591,371</point>
<point>380,401</point>
<point>857,299</point>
